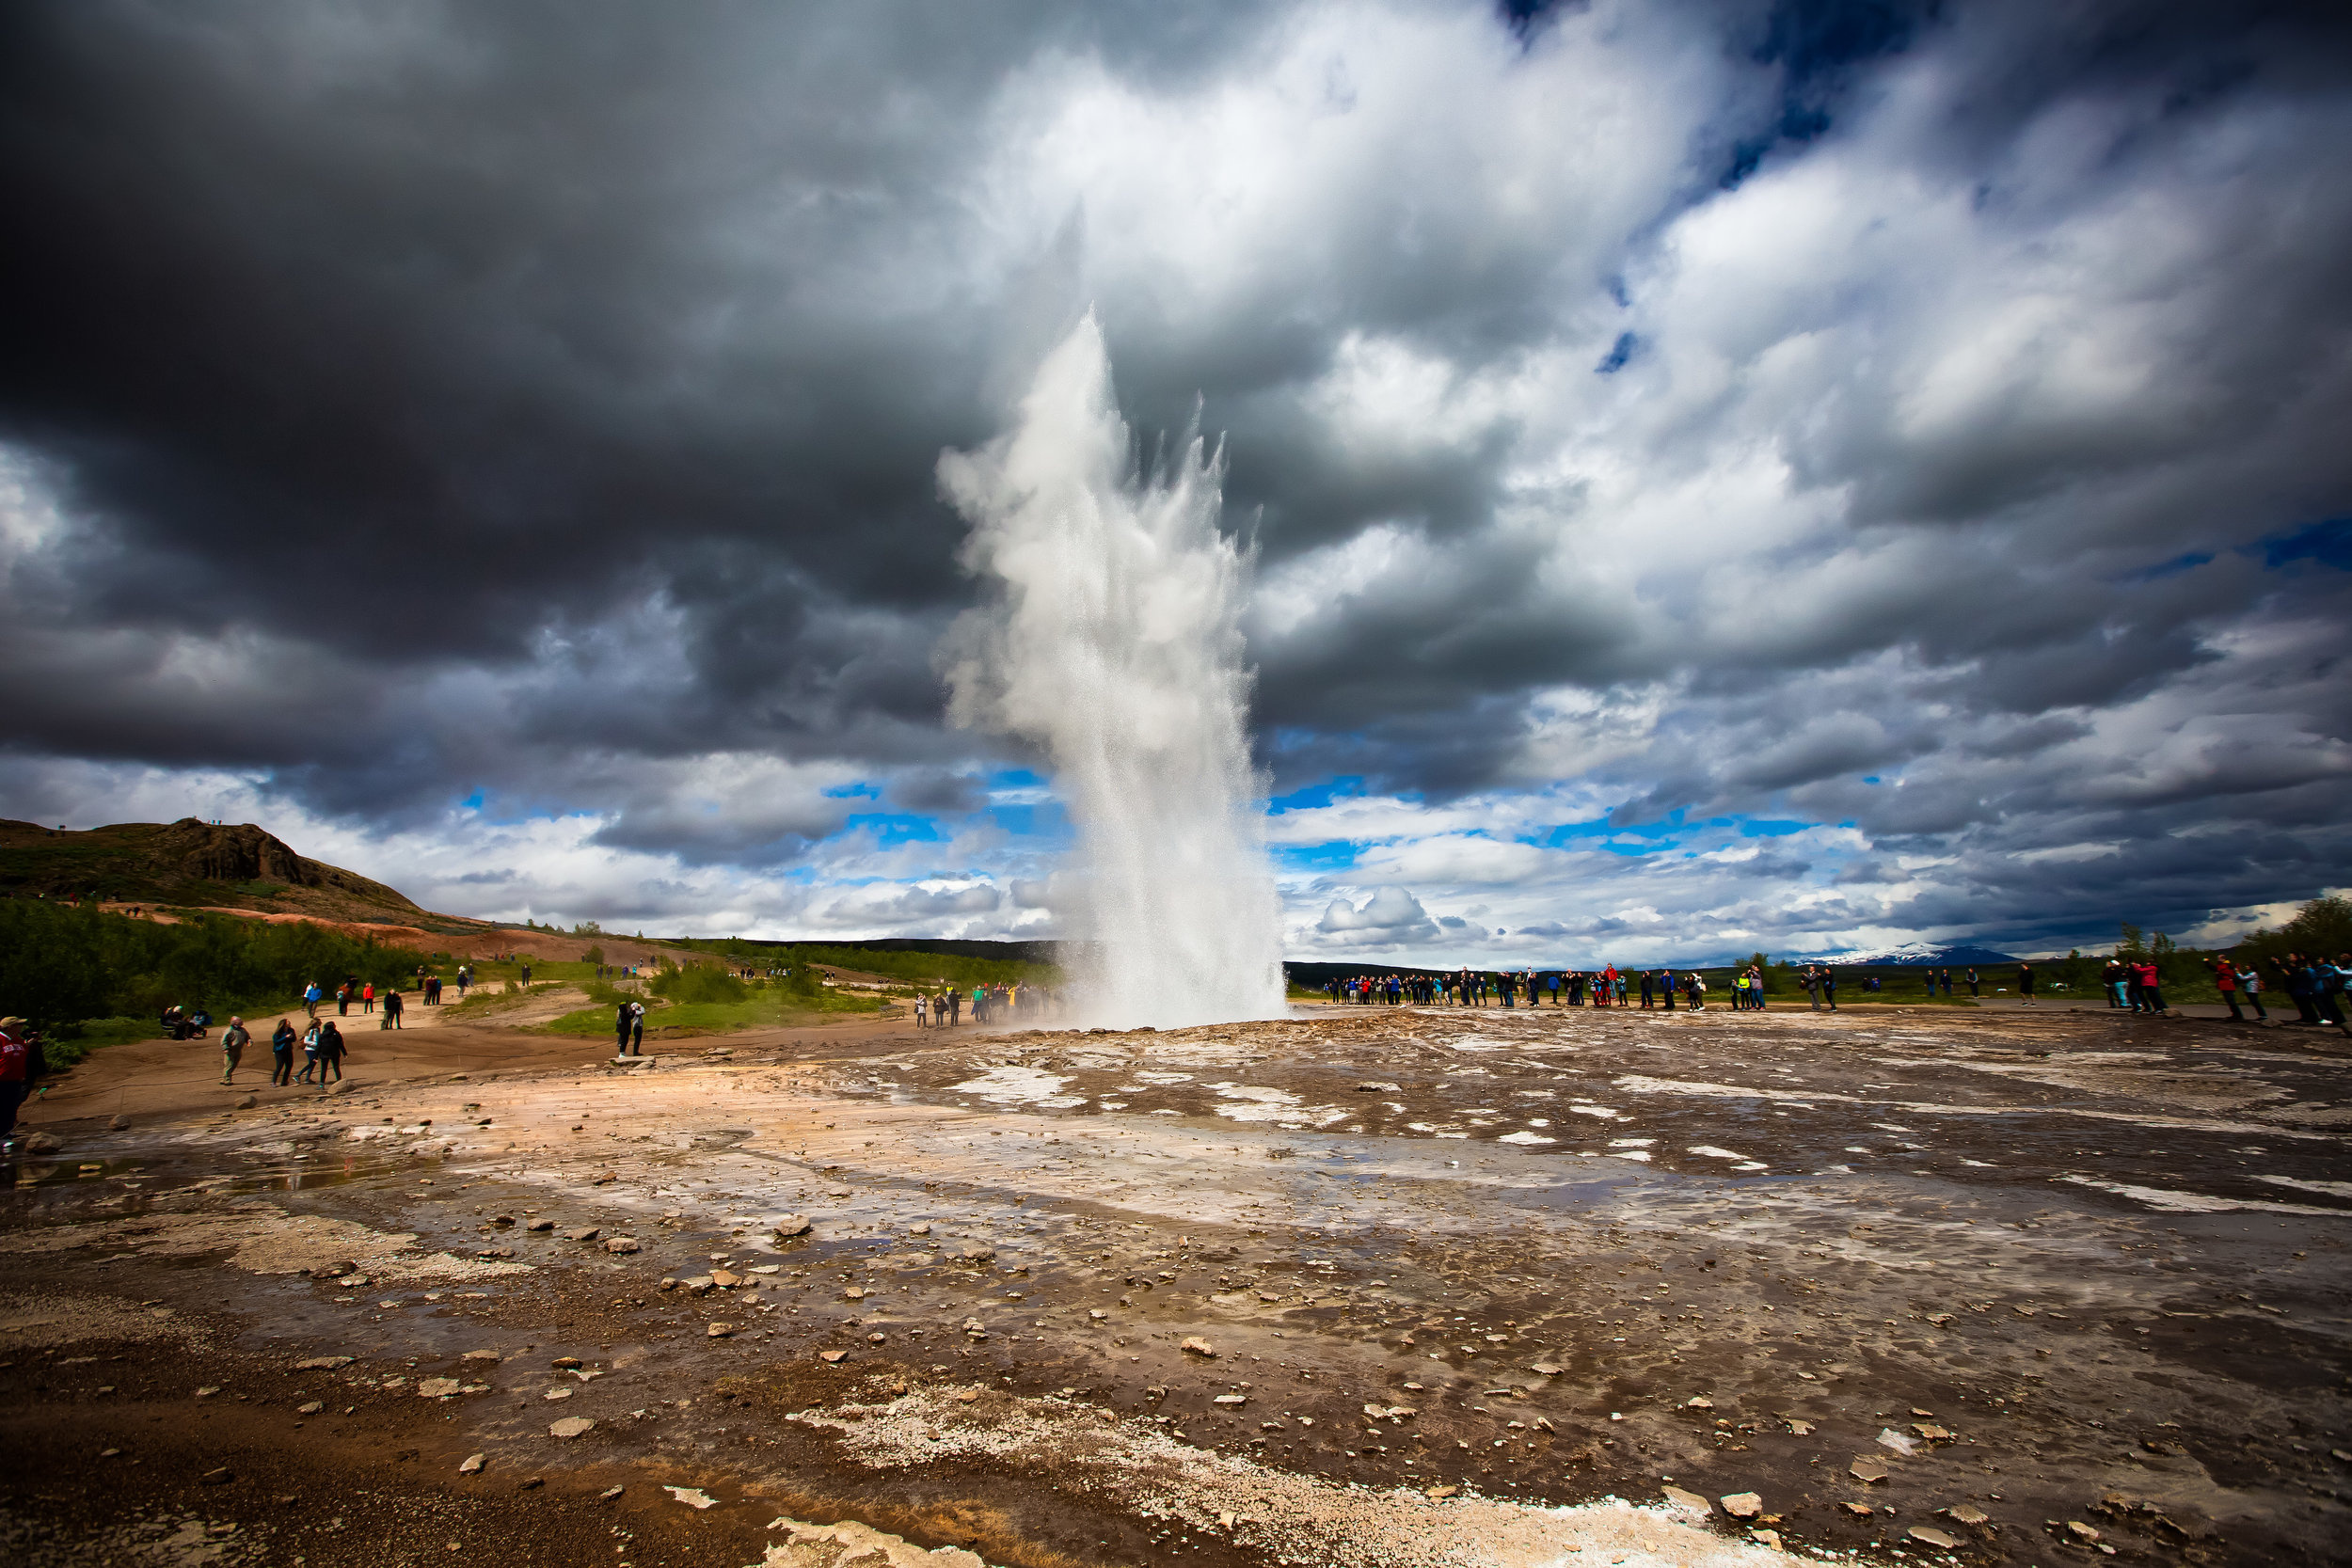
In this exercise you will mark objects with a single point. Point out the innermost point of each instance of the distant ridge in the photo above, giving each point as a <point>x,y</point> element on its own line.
<point>191,864</point>
<point>1919,953</point>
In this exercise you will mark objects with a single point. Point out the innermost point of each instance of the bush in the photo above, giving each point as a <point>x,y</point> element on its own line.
<point>60,964</point>
<point>698,982</point>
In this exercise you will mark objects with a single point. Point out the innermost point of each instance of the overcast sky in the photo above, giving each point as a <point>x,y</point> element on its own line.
<point>1727,475</point>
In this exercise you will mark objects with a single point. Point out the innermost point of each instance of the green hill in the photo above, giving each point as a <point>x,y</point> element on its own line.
<point>189,864</point>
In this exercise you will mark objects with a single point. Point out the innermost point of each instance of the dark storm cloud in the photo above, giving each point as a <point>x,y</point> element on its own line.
<point>544,402</point>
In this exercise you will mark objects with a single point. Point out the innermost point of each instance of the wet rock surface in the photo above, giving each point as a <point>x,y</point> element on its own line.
<point>1880,1280</point>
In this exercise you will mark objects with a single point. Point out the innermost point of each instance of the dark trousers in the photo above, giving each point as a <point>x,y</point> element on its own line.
<point>2230,1000</point>
<point>2331,1005</point>
<point>334,1063</point>
<point>281,1066</point>
<point>637,1039</point>
<point>13,1093</point>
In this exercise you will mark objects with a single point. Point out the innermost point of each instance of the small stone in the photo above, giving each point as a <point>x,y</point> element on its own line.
<point>620,1243</point>
<point>1929,1535</point>
<point>473,1464</point>
<point>540,1224</point>
<point>208,1391</point>
<point>720,1331</point>
<point>831,1357</point>
<point>532,1483</point>
<point>502,1219</point>
<point>585,1233</point>
<point>42,1143</point>
<point>480,1356</point>
<point>310,1409</point>
<point>558,1394</point>
<point>609,1493</point>
<point>247,1104</point>
<point>221,1477</point>
<point>1698,1402</point>
<point>967,1396</point>
<point>1931,1432</point>
<point>1375,1086</point>
<point>1798,1428</point>
<point>918,1230</point>
<point>1860,1511</point>
<point>1744,1505</point>
<point>1688,1502</point>
<point>118,1124</point>
<point>1766,1538</point>
<point>698,1285</point>
<point>322,1363</point>
<point>1195,1345</point>
<point>494,1252</point>
<point>1865,1469</point>
<point>855,1292</point>
<point>564,1363</point>
<point>1967,1513</point>
<point>1098,1314</point>
<point>1546,1368</point>
<point>692,1497</point>
<point>1443,1491</point>
<point>571,1427</point>
<point>1231,1398</point>
<point>2081,1531</point>
<point>876,1337</point>
<point>794,1225</point>
<point>438,1388</point>
<point>726,1279</point>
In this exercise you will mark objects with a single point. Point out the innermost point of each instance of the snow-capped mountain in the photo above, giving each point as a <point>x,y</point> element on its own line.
<point>1918,953</point>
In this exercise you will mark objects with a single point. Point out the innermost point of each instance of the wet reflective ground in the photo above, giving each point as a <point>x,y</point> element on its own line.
<point>2026,1273</point>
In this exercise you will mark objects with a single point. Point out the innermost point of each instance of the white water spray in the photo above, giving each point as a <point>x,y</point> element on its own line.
<point>1116,642</point>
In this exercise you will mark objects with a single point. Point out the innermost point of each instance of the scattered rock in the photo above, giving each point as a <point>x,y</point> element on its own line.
<point>473,1464</point>
<point>585,1233</point>
<point>540,1224</point>
<point>1238,1399</point>
<point>564,1363</point>
<point>322,1363</point>
<point>918,1230</point>
<point>720,1331</point>
<point>1860,1511</point>
<point>1443,1491</point>
<point>1098,1314</point>
<point>118,1124</point>
<point>1373,1086</point>
<point>480,1356</point>
<point>495,1252</point>
<point>620,1243</point>
<point>1196,1345</point>
<point>698,1284</point>
<point>1798,1428</point>
<point>692,1497</point>
<point>208,1391</point>
<point>42,1143</point>
<point>221,1477</point>
<point>571,1427</point>
<point>2081,1531</point>
<point>247,1104</point>
<point>1865,1469</point>
<point>1766,1538</point>
<point>1967,1513</point>
<point>1685,1502</point>
<point>531,1483</point>
<point>797,1225</point>
<point>1744,1505</point>
<point>728,1280</point>
<point>502,1219</point>
<point>1929,1535</point>
<point>1546,1368</point>
<point>1896,1442</point>
<point>1930,1432</point>
<point>557,1394</point>
<point>310,1409</point>
<point>1698,1402</point>
<point>609,1493</point>
<point>831,1357</point>
<point>438,1388</point>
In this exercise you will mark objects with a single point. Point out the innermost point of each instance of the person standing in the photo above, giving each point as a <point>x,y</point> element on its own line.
<point>232,1044</point>
<point>281,1045</point>
<point>2225,981</point>
<point>1972,983</point>
<point>1695,992</point>
<point>367,998</point>
<point>2332,979</point>
<point>922,1010</point>
<point>2152,988</point>
<point>16,1075</point>
<point>330,1053</point>
<point>2249,983</point>
<point>1829,987</point>
<point>2024,981</point>
<point>394,1009</point>
<point>310,996</point>
<point>620,1028</point>
<point>310,1051</point>
<point>637,1028</point>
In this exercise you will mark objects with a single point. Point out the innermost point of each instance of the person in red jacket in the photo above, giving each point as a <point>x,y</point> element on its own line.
<point>16,1072</point>
<point>2151,985</point>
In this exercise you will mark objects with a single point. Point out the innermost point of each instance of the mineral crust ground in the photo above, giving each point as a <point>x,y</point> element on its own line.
<point>1364,1287</point>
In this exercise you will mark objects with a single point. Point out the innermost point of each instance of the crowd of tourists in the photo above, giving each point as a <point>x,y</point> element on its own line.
<point>1608,986</point>
<point>998,1004</point>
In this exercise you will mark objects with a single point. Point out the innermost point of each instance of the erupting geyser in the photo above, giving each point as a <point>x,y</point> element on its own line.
<point>1116,643</point>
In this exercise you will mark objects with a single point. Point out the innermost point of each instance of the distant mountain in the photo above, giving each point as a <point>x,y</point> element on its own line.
<point>1919,953</point>
<point>190,863</point>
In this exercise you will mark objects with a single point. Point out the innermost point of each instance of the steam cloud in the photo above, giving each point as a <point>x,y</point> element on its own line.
<point>1115,642</point>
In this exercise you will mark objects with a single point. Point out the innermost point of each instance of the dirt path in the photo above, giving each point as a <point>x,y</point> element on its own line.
<point>1465,1279</point>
